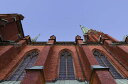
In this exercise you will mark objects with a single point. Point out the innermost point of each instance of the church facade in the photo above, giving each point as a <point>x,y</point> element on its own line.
<point>96,59</point>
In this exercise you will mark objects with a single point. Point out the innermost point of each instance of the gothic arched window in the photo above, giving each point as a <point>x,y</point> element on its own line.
<point>1,38</point>
<point>103,61</point>
<point>27,62</point>
<point>66,70</point>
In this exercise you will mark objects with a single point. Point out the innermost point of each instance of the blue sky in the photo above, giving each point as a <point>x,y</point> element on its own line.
<point>63,17</point>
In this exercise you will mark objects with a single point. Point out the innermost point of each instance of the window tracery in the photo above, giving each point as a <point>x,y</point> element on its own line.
<point>27,62</point>
<point>103,61</point>
<point>66,70</point>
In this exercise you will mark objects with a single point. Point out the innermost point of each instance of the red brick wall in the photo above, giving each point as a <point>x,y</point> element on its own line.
<point>34,77</point>
<point>111,58</point>
<point>52,63</point>
<point>102,77</point>
<point>10,30</point>
<point>120,52</point>
<point>13,57</point>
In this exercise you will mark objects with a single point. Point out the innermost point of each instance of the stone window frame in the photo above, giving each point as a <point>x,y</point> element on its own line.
<point>27,54</point>
<point>72,63</point>
<point>103,54</point>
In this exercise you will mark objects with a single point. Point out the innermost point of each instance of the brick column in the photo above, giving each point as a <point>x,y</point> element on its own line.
<point>39,74</point>
<point>7,55</point>
<point>10,52</point>
<point>81,73</point>
<point>52,39</point>
<point>34,75</point>
<point>88,59</point>
<point>45,52</point>
<point>119,52</point>
<point>100,76</point>
<point>78,40</point>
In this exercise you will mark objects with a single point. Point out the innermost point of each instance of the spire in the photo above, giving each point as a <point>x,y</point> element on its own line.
<point>35,38</point>
<point>125,38</point>
<point>84,29</point>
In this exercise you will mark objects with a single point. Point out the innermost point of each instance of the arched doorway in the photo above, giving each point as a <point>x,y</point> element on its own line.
<point>66,69</point>
<point>27,62</point>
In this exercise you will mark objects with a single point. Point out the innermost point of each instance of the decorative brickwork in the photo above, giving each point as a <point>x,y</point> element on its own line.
<point>82,64</point>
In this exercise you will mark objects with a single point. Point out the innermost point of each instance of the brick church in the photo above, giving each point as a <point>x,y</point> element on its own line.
<point>96,59</point>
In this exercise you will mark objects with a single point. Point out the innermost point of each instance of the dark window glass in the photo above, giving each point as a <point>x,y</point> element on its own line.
<point>27,62</point>
<point>1,38</point>
<point>103,61</point>
<point>66,70</point>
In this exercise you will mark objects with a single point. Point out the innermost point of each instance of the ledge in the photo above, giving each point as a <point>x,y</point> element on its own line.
<point>119,43</point>
<point>36,68</point>
<point>98,67</point>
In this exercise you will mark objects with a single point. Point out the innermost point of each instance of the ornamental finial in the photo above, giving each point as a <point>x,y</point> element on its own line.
<point>84,29</point>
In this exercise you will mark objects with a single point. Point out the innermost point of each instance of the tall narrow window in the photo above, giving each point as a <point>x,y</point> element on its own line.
<point>1,38</point>
<point>103,61</point>
<point>66,70</point>
<point>27,62</point>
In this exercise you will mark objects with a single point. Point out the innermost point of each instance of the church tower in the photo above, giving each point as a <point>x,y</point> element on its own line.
<point>96,59</point>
